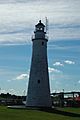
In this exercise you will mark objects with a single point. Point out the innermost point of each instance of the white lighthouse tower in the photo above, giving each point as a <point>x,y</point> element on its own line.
<point>38,94</point>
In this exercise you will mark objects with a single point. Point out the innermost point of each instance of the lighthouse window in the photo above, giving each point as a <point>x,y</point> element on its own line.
<point>38,81</point>
<point>37,28</point>
<point>42,43</point>
<point>41,29</point>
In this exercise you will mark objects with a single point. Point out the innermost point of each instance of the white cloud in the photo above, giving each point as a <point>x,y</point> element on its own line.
<point>17,21</point>
<point>79,81</point>
<point>3,91</point>
<point>69,62</point>
<point>12,91</point>
<point>58,64</point>
<point>53,70</point>
<point>22,77</point>
<point>9,80</point>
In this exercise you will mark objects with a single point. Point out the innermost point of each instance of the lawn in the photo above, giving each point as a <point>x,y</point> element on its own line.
<point>23,114</point>
<point>69,109</point>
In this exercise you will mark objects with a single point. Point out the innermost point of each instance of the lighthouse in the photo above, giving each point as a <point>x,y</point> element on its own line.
<point>38,94</point>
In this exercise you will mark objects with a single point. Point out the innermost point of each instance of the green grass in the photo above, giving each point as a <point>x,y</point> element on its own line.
<point>69,109</point>
<point>21,114</point>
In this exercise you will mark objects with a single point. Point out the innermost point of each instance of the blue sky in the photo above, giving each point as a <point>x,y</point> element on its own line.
<point>17,23</point>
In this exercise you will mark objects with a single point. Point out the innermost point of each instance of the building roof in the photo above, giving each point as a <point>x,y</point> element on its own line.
<point>40,24</point>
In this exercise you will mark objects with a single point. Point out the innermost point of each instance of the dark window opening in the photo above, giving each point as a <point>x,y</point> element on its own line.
<point>38,81</point>
<point>42,43</point>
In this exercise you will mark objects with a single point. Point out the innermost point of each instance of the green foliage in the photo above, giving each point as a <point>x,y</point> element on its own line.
<point>22,114</point>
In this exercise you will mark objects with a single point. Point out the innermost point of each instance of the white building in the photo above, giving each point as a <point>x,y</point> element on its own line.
<point>38,88</point>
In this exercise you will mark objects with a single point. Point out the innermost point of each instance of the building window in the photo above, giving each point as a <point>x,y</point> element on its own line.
<point>42,43</point>
<point>38,81</point>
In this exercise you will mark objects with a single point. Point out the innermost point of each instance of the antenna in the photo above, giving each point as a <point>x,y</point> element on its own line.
<point>46,25</point>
